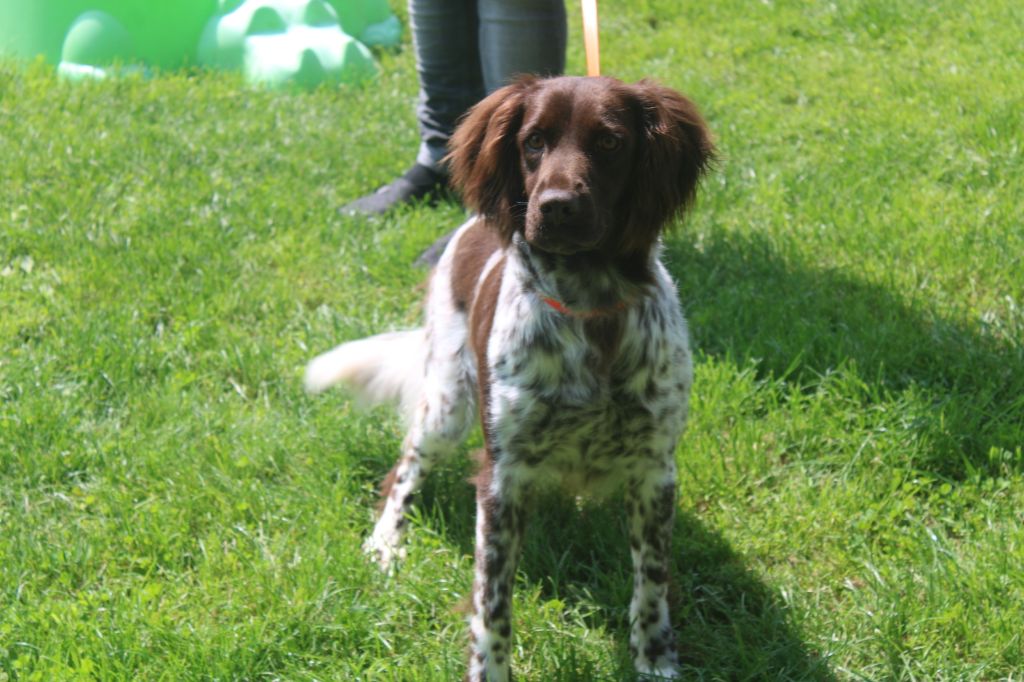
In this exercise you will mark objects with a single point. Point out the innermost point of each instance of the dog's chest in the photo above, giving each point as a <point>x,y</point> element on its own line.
<point>586,406</point>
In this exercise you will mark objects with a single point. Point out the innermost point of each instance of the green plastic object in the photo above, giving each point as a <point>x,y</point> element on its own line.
<point>313,41</point>
<point>99,39</point>
<point>162,34</point>
<point>371,21</point>
<point>276,42</point>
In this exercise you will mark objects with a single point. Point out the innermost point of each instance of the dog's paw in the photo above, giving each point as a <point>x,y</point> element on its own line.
<point>661,670</point>
<point>383,552</point>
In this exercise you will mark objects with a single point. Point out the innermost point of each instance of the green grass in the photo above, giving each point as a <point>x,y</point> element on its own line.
<point>173,507</point>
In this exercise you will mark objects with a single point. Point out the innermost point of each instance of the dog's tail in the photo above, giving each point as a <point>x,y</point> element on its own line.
<point>383,368</point>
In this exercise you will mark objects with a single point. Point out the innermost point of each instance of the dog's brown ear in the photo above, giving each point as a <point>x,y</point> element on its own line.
<point>484,157</point>
<point>675,150</point>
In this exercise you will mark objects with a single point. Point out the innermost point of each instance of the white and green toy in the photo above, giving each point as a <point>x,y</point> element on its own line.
<point>282,41</point>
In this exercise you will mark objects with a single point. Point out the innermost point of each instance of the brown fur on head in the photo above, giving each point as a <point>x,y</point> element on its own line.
<point>484,160</point>
<point>581,165</point>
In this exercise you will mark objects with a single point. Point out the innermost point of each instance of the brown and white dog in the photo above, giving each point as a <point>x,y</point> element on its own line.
<point>551,316</point>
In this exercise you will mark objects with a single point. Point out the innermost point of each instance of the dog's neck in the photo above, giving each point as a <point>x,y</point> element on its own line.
<point>589,283</point>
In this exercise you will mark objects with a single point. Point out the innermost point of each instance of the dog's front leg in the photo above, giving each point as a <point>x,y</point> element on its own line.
<point>651,508</point>
<point>499,529</point>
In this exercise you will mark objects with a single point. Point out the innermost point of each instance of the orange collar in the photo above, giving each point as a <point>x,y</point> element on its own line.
<point>597,312</point>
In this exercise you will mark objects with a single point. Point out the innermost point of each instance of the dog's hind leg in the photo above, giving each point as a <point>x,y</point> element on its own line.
<point>439,413</point>
<point>439,422</point>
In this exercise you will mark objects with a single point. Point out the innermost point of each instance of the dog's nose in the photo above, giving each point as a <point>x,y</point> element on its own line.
<point>559,206</point>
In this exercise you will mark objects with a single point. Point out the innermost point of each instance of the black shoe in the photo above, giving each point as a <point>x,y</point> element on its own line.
<point>418,183</point>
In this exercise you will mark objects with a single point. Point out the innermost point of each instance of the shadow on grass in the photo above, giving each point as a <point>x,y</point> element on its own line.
<point>729,624</point>
<point>747,302</point>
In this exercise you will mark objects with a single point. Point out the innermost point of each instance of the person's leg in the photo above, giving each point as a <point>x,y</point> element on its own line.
<point>519,37</point>
<point>444,35</point>
<point>445,41</point>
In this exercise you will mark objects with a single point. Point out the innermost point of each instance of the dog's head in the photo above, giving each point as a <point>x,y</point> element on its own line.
<point>581,164</point>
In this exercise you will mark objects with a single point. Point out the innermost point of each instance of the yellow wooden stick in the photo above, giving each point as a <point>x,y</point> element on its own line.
<point>590,37</point>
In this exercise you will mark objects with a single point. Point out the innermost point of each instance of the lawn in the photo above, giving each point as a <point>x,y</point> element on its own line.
<point>174,507</point>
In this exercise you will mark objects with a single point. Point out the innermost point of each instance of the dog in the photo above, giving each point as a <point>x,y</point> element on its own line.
<point>551,317</point>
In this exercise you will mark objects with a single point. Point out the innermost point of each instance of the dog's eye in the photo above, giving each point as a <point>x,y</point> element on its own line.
<point>608,142</point>
<point>534,143</point>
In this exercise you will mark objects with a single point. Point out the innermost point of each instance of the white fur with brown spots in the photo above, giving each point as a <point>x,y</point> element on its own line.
<point>562,332</point>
